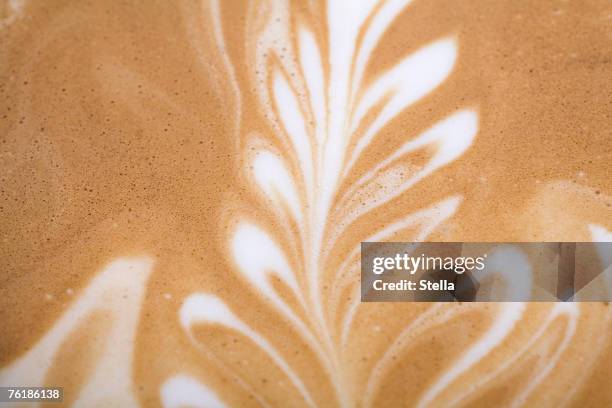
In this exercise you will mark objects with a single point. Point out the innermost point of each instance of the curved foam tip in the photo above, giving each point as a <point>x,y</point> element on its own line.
<point>182,390</point>
<point>204,308</point>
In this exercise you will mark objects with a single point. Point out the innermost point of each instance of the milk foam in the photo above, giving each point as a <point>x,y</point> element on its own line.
<point>118,290</point>
<point>247,150</point>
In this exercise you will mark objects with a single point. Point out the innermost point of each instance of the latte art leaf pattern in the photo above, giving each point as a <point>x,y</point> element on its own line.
<point>185,186</point>
<point>325,117</point>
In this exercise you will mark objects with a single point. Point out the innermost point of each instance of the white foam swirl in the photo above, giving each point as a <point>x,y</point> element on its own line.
<point>321,111</point>
<point>182,390</point>
<point>118,290</point>
<point>202,308</point>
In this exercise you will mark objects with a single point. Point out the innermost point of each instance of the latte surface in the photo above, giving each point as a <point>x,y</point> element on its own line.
<point>184,187</point>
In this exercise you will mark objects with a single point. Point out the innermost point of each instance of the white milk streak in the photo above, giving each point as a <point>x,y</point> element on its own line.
<point>273,40</point>
<point>382,185</point>
<point>452,136</point>
<point>257,255</point>
<point>344,22</point>
<point>220,40</point>
<point>118,290</point>
<point>209,309</point>
<point>227,74</point>
<point>312,69</point>
<point>501,328</point>
<point>572,311</point>
<point>410,80</point>
<point>431,318</point>
<point>555,312</point>
<point>320,149</point>
<point>349,317</point>
<point>295,127</point>
<point>341,54</point>
<point>428,219</point>
<point>342,40</point>
<point>182,390</point>
<point>381,20</point>
<point>276,182</point>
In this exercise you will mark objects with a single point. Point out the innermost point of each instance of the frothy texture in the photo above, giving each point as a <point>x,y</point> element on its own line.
<point>185,187</point>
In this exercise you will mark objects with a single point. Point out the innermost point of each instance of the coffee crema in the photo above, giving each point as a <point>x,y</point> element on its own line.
<point>185,185</point>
